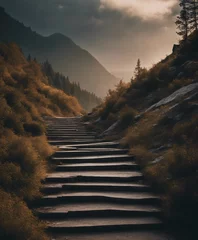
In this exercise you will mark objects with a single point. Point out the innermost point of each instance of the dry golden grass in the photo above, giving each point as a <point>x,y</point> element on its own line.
<point>25,97</point>
<point>17,221</point>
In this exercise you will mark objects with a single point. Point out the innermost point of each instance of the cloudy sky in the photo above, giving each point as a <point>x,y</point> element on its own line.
<point>116,32</point>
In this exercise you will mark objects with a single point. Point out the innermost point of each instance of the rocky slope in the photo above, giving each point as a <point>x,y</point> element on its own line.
<point>157,118</point>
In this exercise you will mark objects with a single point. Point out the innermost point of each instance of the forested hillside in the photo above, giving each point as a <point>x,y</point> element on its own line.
<point>156,116</point>
<point>87,100</point>
<point>25,96</point>
<point>64,55</point>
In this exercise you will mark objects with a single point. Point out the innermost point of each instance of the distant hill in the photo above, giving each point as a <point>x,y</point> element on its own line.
<point>86,99</point>
<point>64,55</point>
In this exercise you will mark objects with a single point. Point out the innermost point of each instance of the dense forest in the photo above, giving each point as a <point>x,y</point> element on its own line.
<point>87,100</point>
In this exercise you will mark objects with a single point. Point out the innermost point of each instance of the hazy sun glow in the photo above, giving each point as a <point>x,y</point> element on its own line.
<point>145,9</point>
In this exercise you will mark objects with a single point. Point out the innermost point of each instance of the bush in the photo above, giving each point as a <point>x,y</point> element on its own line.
<point>34,128</point>
<point>127,117</point>
<point>17,221</point>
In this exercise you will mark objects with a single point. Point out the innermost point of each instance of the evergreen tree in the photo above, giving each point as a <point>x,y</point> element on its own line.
<point>29,58</point>
<point>183,20</point>
<point>138,69</point>
<point>192,7</point>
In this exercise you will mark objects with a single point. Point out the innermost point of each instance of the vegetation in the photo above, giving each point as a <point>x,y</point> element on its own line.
<point>25,97</point>
<point>163,139</point>
<point>187,21</point>
<point>87,100</point>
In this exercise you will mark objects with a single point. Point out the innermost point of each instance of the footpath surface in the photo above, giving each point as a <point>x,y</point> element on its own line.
<point>96,191</point>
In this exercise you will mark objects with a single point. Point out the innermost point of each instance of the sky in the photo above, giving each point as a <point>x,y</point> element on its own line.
<point>116,32</point>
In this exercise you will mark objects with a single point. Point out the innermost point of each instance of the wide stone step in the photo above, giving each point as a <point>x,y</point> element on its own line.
<point>64,126</point>
<point>105,213</point>
<point>95,145</point>
<point>57,137</point>
<point>89,152</point>
<point>118,174</point>
<point>84,178</point>
<point>64,133</point>
<point>97,167</point>
<point>72,208</point>
<point>104,224</point>
<point>69,130</point>
<point>94,187</point>
<point>93,159</point>
<point>98,197</point>
<point>73,141</point>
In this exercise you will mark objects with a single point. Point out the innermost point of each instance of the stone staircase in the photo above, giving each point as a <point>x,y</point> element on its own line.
<point>96,190</point>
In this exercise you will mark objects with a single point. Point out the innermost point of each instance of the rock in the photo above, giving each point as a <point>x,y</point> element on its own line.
<point>190,67</point>
<point>180,75</point>
<point>175,48</point>
<point>97,120</point>
<point>110,129</point>
<point>157,160</point>
<point>172,72</point>
<point>137,117</point>
<point>174,96</point>
<point>162,148</point>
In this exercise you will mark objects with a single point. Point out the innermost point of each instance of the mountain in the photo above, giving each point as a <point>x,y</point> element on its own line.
<point>87,100</point>
<point>65,56</point>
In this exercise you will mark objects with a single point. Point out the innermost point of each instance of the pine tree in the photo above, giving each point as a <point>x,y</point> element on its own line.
<point>183,20</point>
<point>29,58</point>
<point>138,69</point>
<point>192,7</point>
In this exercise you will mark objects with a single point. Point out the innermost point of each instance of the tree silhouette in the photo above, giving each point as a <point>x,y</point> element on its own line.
<point>138,70</point>
<point>183,20</point>
<point>192,8</point>
<point>29,58</point>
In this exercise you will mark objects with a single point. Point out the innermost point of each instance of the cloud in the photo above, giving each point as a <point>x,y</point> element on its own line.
<point>101,27</point>
<point>145,9</point>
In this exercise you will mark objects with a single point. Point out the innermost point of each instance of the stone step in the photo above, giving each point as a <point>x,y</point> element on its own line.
<point>97,167</point>
<point>104,224</point>
<point>101,206</point>
<point>81,130</point>
<point>76,134</point>
<point>57,137</point>
<point>94,187</point>
<point>105,213</point>
<point>90,152</point>
<point>73,141</point>
<point>116,235</point>
<point>98,197</point>
<point>93,159</point>
<point>102,144</point>
<point>64,126</point>
<point>87,178</point>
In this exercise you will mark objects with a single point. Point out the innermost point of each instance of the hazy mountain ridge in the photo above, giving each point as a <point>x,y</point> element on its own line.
<point>66,57</point>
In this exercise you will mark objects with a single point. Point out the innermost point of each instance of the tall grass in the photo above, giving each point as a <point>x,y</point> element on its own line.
<point>25,97</point>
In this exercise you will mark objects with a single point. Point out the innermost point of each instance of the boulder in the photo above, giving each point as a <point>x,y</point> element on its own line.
<point>190,67</point>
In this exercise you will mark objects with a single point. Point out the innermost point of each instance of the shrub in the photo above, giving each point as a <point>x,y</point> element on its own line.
<point>127,117</point>
<point>34,128</point>
<point>17,221</point>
